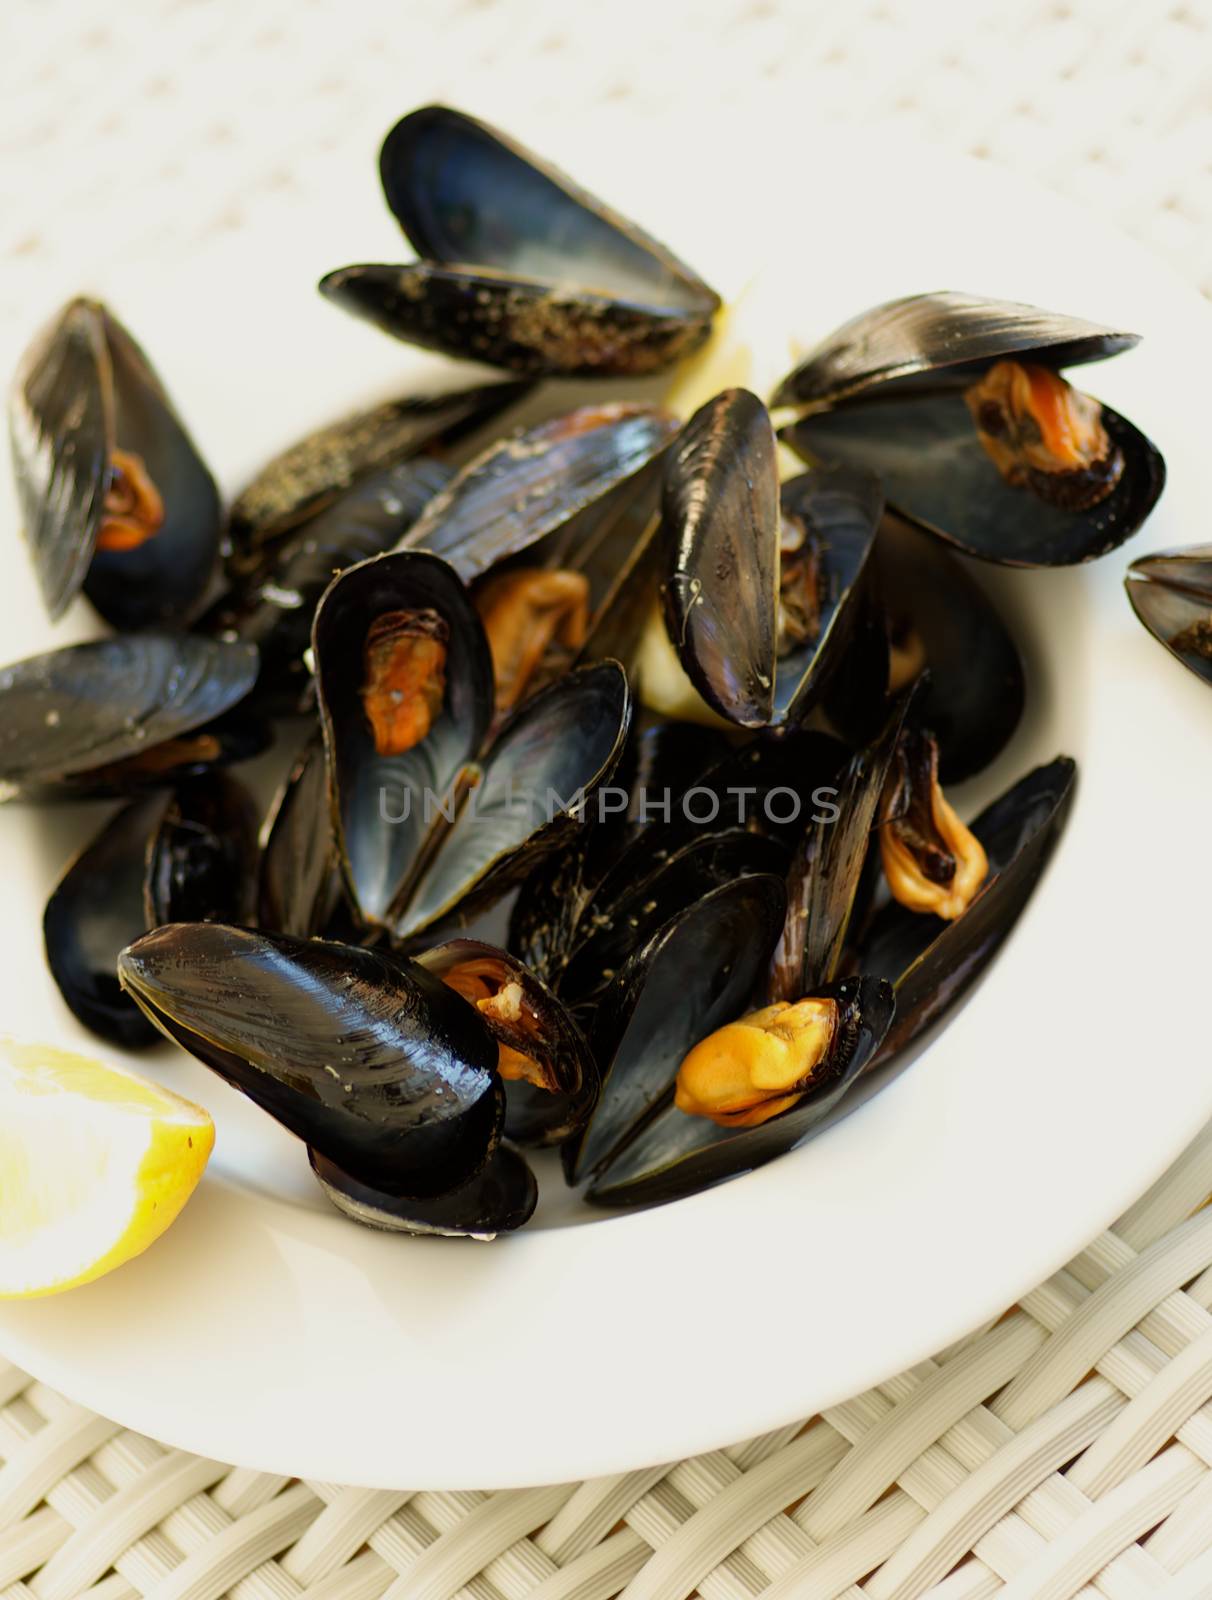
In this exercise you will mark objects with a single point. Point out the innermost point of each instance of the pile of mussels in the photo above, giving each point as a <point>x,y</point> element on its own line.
<point>693,715</point>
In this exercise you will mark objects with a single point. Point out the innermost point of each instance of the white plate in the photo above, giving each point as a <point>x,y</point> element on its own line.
<point>266,1330</point>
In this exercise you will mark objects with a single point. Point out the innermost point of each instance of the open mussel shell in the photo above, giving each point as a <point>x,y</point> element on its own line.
<point>940,620</point>
<point>934,964</point>
<point>118,714</point>
<point>96,910</point>
<point>299,875</point>
<point>676,1155</point>
<point>184,856</point>
<point>86,406</point>
<point>532,482</point>
<point>935,471</point>
<point>562,1088</point>
<point>521,268</point>
<point>886,393</point>
<point>273,607</point>
<point>324,466</point>
<point>383,806</point>
<point>535,782</point>
<point>725,528</point>
<point>1171,593</point>
<point>501,1197</point>
<point>946,336</point>
<point>720,529</point>
<point>695,974</point>
<point>370,1059</point>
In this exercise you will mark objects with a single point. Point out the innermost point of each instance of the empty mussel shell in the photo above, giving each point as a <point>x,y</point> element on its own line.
<point>934,964</point>
<point>1171,593</point>
<point>888,393</point>
<point>520,267</point>
<point>759,584</point>
<point>324,466</point>
<point>501,1197</point>
<point>370,1059</point>
<point>551,1079</point>
<point>676,1154</point>
<point>114,497</point>
<point>184,856</point>
<point>118,714</point>
<point>388,793</point>
<point>536,480</point>
<point>693,975</point>
<point>940,620</point>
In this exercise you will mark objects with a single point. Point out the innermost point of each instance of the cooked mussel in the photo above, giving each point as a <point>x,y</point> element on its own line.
<point>933,963</point>
<point>551,1079</point>
<point>957,404</point>
<point>371,1060</point>
<point>431,825</point>
<point>114,497</point>
<point>325,466</point>
<point>1171,593</point>
<point>182,856</point>
<point>120,714</point>
<point>519,267</point>
<point>501,1197</point>
<point>751,1091</point>
<point>760,584</point>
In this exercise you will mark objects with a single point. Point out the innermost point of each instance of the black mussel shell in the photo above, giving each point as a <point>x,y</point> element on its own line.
<point>940,619</point>
<point>934,964</point>
<point>942,337</point>
<point>725,522</point>
<point>384,806</point>
<point>501,1197</point>
<point>118,714</point>
<point>1171,593</point>
<point>274,607</point>
<point>201,863</point>
<point>299,877</point>
<point>544,1030</point>
<point>521,268</point>
<point>644,892</point>
<point>936,472</point>
<point>368,1058</point>
<point>84,390</point>
<point>313,473</point>
<point>691,977</point>
<point>184,856</point>
<point>720,530</point>
<point>525,486</point>
<point>676,1155</point>
<point>535,782</point>
<point>96,910</point>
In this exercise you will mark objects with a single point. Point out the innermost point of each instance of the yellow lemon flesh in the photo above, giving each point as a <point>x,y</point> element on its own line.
<point>94,1165</point>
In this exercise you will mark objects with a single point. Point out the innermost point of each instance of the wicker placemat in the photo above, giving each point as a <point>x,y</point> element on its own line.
<point>1065,1449</point>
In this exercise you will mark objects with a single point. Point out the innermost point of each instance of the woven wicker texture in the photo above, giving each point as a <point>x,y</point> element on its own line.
<point>1064,1450</point>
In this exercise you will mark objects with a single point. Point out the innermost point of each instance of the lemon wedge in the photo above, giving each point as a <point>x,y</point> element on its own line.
<point>94,1165</point>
